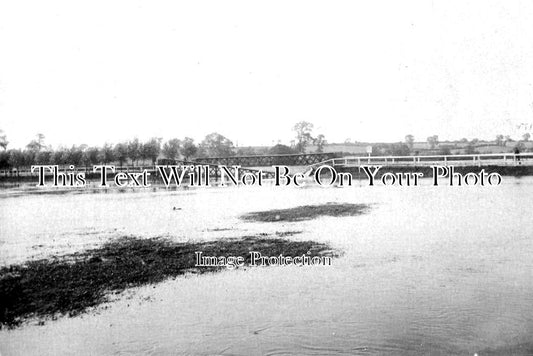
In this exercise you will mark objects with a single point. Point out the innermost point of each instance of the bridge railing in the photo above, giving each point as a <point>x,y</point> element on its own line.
<point>302,159</point>
<point>464,159</point>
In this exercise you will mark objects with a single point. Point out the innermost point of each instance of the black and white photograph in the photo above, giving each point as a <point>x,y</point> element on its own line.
<point>266,177</point>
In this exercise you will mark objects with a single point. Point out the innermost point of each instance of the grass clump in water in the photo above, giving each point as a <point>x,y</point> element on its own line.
<point>73,283</point>
<point>307,212</point>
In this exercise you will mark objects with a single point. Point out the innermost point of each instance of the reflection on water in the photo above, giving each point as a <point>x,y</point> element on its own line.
<point>428,271</point>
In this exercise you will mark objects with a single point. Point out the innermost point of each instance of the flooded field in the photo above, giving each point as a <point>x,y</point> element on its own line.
<point>426,270</point>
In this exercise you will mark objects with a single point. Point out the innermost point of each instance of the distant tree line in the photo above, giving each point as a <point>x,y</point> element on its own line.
<point>434,146</point>
<point>134,152</point>
<point>131,152</point>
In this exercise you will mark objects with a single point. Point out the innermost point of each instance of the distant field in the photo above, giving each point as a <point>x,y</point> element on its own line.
<point>423,147</point>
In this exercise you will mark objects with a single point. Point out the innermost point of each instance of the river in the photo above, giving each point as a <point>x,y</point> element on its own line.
<point>428,270</point>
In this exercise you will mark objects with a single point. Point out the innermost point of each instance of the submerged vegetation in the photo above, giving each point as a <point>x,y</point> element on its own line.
<point>73,283</point>
<point>307,212</point>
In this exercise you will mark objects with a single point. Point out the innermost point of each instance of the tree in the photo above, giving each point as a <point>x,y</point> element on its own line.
<point>507,138</point>
<point>499,140</point>
<point>121,152</point>
<point>526,136</point>
<point>107,154</point>
<point>29,157</point>
<point>33,146</point>
<point>37,144</point>
<point>216,145</point>
<point>91,156</point>
<point>151,149</point>
<point>60,156</point>
<point>303,131</point>
<point>189,149</point>
<point>171,148</point>
<point>410,141</point>
<point>75,155</point>
<point>319,141</point>
<point>16,158</point>
<point>134,150</point>
<point>44,157</point>
<point>433,141</point>
<point>3,140</point>
<point>4,159</point>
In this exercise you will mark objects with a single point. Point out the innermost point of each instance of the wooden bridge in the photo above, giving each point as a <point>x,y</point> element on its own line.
<point>305,159</point>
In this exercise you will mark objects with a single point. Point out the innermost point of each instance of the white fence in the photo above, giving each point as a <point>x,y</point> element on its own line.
<point>496,159</point>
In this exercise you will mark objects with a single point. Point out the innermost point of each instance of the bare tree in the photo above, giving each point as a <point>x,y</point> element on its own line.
<point>3,140</point>
<point>121,152</point>
<point>319,142</point>
<point>433,141</point>
<point>303,131</point>
<point>134,150</point>
<point>151,149</point>
<point>499,140</point>
<point>171,148</point>
<point>107,154</point>
<point>410,141</point>
<point>189,149</point>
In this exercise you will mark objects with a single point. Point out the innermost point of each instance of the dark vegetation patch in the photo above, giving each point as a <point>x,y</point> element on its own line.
<point>287,233</point>
<point>307,212</point>
<point>73,283</point>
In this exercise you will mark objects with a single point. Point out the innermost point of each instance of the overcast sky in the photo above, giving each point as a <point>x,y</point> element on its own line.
<point>105,71</point>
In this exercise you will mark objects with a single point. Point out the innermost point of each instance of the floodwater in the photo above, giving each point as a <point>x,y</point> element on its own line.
<point>429,270</point>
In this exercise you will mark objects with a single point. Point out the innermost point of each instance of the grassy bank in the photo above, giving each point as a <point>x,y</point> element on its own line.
<point>73,283</point>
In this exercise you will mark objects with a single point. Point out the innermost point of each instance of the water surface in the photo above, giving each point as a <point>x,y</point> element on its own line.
<point>429,270</point>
